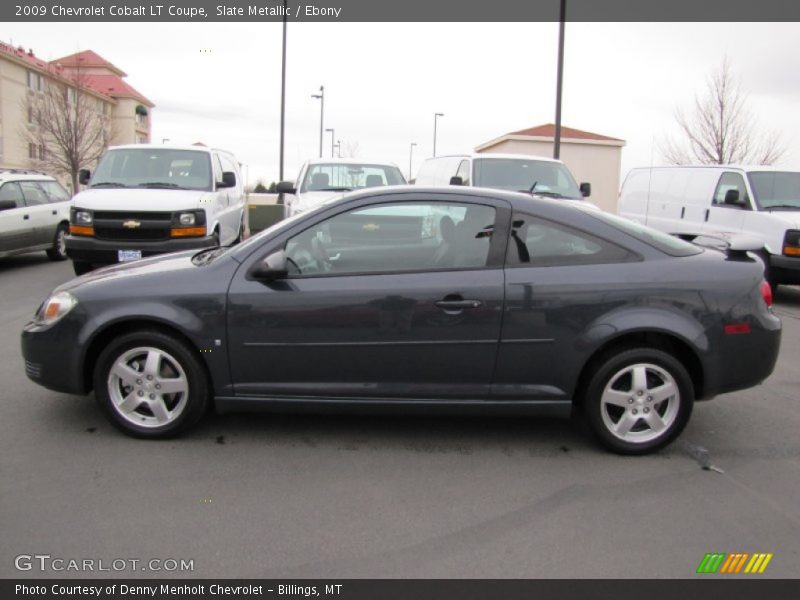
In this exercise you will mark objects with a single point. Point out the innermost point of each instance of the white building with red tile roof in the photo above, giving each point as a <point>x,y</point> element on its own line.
<point>23,73</point>
<point>590,156</point>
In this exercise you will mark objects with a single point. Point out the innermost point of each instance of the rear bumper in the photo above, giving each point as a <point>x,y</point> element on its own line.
<point>104,252</point>
<point>785,269</point>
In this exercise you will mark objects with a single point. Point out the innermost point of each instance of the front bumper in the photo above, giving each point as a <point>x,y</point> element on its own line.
<point>104,252</point>
<point>52,356</point>
<point>785,269</point>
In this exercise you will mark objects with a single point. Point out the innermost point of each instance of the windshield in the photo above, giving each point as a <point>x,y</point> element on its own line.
<point>776,189</point>
<point>519,174</point>
<point>342,177</point>
<point>155,168</point>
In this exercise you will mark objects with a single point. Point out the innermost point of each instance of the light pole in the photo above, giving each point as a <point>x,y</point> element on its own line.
<point>435,117</point>
<point>339,148</point>
<point>164,140</point>
<point>332,136</point>
<point>283,92</point>
<point>321,98</point>
<point>410,158</point>
<point>560,80</point>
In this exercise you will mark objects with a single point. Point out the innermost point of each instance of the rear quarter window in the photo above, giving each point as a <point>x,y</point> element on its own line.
<point>664,242</point>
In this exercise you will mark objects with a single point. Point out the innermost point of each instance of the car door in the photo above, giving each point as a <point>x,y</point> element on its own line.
<point>43,216</point>
<point>16,228</point>
<point>727,216</point>
<point>399,300</point>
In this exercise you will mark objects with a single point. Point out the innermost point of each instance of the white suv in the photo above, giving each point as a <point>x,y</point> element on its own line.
<point>324,178</point>
<point>34,214</point>
<point>151,199</point>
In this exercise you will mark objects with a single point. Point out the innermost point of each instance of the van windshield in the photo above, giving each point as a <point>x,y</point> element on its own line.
<point>342,177</point>
<point>154,168</point>
<point>519,175</point>
<point>776,189</point>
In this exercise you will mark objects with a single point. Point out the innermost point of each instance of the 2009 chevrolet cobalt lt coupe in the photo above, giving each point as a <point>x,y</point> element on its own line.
<point>416,298</point>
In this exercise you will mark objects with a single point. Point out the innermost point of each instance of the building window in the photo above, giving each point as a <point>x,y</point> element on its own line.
<point>42,152</point>
<point>32,151</point>
<point>141,139</point>
<point>34,81</point>
<point>141,119</point>
<point>72,96</point>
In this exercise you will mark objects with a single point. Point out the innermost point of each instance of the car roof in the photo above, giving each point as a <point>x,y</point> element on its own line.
<point>501,155</point>
<point>168,147</point>
<point>734,167</point>
<point>349,161</point>
<point>23,175</point>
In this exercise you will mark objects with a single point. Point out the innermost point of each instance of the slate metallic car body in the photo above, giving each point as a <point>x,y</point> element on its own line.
<point>418,299</point>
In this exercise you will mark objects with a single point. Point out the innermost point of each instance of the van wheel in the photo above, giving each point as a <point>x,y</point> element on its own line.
<point>240,237</point>
<point>150,384</point>
<point>59,249</point>
<point>639,400</point>
<point>80,267</point>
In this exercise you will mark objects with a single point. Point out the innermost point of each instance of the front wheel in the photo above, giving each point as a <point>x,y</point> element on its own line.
<point>639,400</point>
<point>150,384</point>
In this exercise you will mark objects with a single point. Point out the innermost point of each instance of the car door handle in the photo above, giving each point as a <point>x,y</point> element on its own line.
<point>26,217</point>
<point>55,212</point>
<point>457,304</point>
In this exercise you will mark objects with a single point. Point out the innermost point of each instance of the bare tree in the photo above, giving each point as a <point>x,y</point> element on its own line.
<point>720,129</point>
<point>67,125</point>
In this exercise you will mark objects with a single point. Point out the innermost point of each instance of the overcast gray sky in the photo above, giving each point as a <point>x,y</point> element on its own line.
<point>220,83</point>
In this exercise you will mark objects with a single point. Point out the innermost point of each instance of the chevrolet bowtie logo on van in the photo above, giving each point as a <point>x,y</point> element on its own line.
<point>131,224</point>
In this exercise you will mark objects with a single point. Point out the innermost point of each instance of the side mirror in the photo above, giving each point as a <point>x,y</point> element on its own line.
<point>84,175</point>
<point>732,198</point>
<point>586,189</point>
<point>228,180</point>
<point>7,204</point>
<point>286,187</point>
<point>271,268</point>
<point>456,180</point>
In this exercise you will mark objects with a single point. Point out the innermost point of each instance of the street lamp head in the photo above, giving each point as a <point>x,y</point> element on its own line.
<point>439,114</point>
<point>317,96</point>
<point>331,130</point>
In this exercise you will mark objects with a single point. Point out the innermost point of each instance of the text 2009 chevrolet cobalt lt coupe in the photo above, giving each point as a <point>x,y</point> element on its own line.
<point>418,298</point>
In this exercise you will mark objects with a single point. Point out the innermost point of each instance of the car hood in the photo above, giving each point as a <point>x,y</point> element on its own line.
<point>309,200</point>
<point>168,265</point>
<point>139,199</point>
<point>790,217</point>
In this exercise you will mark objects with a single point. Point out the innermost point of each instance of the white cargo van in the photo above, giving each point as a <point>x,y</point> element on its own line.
<point>763,202</point>
<point>148,199</point>
<point>514,172</point>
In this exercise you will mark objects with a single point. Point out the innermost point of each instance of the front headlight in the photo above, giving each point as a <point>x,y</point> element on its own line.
<point>55,308</point>
<point>82,217</point>
<point>187,219</point>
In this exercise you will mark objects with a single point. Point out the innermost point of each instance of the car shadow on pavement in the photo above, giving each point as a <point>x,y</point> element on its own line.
<point>11,263</point>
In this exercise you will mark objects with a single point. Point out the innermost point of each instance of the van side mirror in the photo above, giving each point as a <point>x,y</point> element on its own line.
<point>7,204</point>
<point>586,189</point>
<point>228,180</point>
<point>286,187</point>
<point>732,198</point>
<point>272,268</point>
<point>456,180</point>
<point>84,175</point>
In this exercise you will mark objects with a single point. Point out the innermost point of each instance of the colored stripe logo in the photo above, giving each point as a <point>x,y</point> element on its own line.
<point>734,563</point>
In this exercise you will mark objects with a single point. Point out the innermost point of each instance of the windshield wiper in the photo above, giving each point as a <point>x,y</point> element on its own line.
<point>108,184</point>
<point>161,184</point>
<point>789,206</point>
<point>334,189</point>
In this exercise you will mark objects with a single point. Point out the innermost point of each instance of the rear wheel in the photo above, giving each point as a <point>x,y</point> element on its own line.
<point>639,400</point>
<point>59,249</point>
<point>150,384</point>
<point>80,267</point>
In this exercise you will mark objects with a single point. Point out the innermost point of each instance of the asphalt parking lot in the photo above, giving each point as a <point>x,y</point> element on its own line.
<point>319,496</point>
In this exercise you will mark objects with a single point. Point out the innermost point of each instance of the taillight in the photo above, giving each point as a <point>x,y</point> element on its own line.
<point>766,293</point>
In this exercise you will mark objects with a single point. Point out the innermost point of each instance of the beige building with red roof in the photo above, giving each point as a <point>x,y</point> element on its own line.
<point>22,74</point>
<point>590,156</point>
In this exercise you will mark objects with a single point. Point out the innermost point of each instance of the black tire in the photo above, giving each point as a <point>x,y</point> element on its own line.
<point>641,414</point>
<point>59,249</point>
<point>178,367</point>
<point>240,237</point>
<point>80,267</point>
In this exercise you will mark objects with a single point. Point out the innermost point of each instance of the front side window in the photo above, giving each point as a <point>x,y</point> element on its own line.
<point>731,182</point>
<point>340,177</point>
<point>776,189</point>
<point>33,194</point>
<point>154,167</point>
<point>10,191</point>
<point>394,237</point>
<point>54,191</point>
<point>545,178</point>
<point>539,243</point>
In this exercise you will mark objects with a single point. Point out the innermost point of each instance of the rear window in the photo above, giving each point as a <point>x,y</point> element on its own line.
<point>662,241</point>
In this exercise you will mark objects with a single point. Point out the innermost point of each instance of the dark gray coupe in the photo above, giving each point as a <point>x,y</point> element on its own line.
<point>409,298</point>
